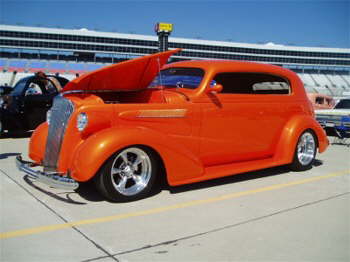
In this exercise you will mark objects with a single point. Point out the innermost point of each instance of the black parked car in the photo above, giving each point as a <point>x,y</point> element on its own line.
<point>4,90</point>
<point>25,107</point>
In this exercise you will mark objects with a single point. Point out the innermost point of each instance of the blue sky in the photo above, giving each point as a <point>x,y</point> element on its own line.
<point>290,22</point>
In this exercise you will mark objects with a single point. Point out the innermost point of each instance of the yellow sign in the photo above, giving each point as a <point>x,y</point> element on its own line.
<point>164,27</point>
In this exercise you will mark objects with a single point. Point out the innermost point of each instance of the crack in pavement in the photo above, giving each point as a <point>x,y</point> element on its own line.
<point>169,242</point>
<point>62,218</point>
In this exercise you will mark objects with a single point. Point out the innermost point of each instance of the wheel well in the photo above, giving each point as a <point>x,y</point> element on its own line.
<point>162,176</point>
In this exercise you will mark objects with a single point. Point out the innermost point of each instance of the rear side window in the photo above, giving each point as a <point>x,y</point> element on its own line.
<point>319,100</point>
<point>252,83</point>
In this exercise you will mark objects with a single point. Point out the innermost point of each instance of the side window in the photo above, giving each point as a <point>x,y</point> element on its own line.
<point>33,89</point>
<point>50,88</point>
<point>319,100</point>
<point>252,83</point>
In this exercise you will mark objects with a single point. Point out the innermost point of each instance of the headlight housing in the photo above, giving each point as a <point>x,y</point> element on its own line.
<point>82,121</point>
<point>48,117</point>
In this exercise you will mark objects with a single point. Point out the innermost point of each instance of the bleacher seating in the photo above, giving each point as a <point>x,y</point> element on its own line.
<point>37,65</point>
<point>91,67</point>
<point>347,80</point>
<point>306,78</point>
<point>3,64</point>
<point>76,68</point>
<point>329,83</point>
<point>338,80</point>
<point>323,90</point>
<point>323,80</point>
<point>57,67</point>
<point>310,89</point>
<point>17,65</point>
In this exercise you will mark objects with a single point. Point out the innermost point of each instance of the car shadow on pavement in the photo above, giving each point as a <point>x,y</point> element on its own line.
<point>16,135</point>
<point>88,191</point>
<point>66,199</point>
<point>274,171</point>
<point>7,155</point>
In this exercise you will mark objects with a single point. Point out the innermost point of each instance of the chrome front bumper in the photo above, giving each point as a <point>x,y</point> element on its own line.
<point>50,179</point>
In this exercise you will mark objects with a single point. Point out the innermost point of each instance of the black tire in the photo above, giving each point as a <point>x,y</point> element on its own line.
<point>305,152</point>
<point>1,128</point>
<point>128,175</point>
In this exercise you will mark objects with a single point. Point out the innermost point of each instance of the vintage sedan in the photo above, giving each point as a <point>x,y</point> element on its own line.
<point>24,106</point>
<point>128,125</point>
<point>5,89</point>
<point>336,121</point>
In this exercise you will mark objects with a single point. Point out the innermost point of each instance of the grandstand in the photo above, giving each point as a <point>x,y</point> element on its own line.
<point>26,50</point>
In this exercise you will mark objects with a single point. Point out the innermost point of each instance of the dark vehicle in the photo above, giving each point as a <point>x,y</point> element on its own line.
<point>4,90</point>
<point>25,107</point>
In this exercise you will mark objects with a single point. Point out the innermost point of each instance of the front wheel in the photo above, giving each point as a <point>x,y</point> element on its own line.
<point>1,128</point>
<point>305,152</point>
<point>128,175</point>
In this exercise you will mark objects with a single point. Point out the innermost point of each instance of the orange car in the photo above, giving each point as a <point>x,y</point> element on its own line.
<point>129,124</point>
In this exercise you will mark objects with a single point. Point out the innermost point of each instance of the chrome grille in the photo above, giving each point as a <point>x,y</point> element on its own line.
<point>61,111</point>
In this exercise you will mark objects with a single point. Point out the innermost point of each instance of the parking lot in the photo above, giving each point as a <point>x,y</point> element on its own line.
<point>268,215</point>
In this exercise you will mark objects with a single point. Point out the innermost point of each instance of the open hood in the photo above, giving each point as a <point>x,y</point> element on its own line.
<point>130,75</point>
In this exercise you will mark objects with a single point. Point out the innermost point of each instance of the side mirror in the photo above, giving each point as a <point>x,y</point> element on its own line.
<point>214,89</point>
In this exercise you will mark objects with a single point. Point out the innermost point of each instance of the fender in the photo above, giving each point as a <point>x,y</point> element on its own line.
<point>292,130</point>
<point>180,163</point>
<point>37,143</point>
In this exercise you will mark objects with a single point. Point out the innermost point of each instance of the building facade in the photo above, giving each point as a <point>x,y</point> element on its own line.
<point>93,46</point>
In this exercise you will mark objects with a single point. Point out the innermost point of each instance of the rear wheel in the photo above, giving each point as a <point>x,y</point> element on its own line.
<point>128,175</point>
<point>305,152</point>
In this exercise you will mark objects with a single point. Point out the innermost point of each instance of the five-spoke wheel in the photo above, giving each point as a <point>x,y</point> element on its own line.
<point>305,152</point>
<point>128,175</point>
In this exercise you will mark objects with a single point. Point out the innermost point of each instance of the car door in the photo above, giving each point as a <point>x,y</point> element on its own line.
<point>245,120</point>
<point>37,104</point>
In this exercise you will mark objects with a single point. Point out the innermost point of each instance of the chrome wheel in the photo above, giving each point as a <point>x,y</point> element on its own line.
<point>306,149</point>
<point>131,171</point>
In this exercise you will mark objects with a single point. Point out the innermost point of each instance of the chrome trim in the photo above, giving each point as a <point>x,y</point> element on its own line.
<point>55,179</point>
<point>162,113</point>
<point>61,111</point>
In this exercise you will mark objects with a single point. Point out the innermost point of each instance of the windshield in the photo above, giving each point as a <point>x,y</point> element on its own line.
<point>343,104</point>
<point>178,78</point>
<point>19,87</point>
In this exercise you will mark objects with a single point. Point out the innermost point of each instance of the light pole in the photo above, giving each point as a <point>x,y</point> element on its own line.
<point>163,31</point>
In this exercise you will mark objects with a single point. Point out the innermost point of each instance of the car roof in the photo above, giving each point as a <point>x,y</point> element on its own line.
<point>232,66</point>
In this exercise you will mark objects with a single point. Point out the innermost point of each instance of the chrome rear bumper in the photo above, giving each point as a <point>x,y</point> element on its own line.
<point>50,179</point>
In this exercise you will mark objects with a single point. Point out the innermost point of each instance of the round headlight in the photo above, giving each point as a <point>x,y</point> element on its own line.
<point>82,121</point>
<point>48,116</point>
